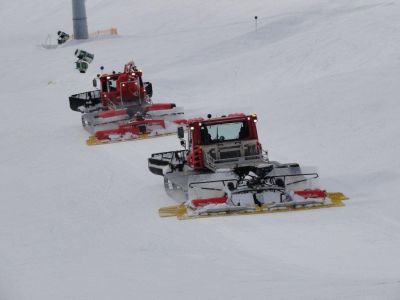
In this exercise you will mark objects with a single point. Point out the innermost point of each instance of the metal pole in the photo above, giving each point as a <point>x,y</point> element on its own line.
<point>79,19</point>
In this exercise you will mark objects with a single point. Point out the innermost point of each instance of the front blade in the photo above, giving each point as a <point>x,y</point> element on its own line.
<point>92,140</point>
<point>183,213</point>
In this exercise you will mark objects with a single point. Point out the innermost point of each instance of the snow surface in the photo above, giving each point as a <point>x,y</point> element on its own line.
<point>79,222</point>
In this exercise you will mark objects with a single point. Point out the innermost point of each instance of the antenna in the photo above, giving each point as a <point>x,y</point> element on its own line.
<point>79,20</point>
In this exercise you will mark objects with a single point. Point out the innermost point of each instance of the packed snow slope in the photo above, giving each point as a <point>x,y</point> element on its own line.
<point>79,222</point>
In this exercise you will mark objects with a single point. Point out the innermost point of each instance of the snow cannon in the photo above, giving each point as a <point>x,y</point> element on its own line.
<point>84,59</point>
<point>62,37</point>
<point>84,55</point>
<point>81,66</point>
<point>223,170</point>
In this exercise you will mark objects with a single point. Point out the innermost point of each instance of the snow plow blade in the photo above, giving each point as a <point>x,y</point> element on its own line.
<point>182,212</point>
<point>93,140</point>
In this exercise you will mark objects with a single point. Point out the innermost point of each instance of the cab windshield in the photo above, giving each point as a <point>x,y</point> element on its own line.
<point>223,132</point>
<point>109,85</point>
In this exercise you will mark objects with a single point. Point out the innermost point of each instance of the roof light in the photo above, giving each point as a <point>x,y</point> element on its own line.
<point>108,77</point>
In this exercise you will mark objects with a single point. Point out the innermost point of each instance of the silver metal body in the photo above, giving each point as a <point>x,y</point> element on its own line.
<point>233,154</point>
<point>92,122</point>
<point>189,184</point>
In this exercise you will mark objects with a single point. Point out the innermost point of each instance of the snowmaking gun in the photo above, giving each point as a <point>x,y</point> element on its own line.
<point>224,171</point>
<point>122,109</point>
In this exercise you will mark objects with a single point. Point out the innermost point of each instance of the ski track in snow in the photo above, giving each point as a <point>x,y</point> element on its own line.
<point>79,222</point>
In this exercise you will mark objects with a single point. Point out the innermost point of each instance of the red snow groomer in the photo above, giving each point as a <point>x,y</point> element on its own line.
<point>122,109</point>
<point>223,170</point>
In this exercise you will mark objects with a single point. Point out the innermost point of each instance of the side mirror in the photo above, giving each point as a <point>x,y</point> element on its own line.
<point>94,82</point>
<point>183,143</point>
<point>181,132</point>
